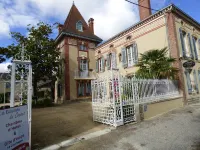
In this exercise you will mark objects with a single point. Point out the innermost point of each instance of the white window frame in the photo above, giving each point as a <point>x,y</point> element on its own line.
<point>84,64</point>
<point>130,53</point>
<point>100,63</point>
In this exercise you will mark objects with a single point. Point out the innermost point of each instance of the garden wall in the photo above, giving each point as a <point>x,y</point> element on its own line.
<point>150,110</point>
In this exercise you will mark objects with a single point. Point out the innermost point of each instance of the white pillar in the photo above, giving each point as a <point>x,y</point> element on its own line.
<point>12,96</point>
<point>30,101</point>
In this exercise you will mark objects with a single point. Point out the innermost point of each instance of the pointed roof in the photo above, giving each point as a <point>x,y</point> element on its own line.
<point>69,27</point>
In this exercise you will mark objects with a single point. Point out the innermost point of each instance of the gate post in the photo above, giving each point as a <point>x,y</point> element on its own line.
<point>120,98</point>
<point>30,100</point>
<point>12,96</point>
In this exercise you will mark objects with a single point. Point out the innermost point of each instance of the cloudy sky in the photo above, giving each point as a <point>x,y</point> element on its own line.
<point>111,16</point>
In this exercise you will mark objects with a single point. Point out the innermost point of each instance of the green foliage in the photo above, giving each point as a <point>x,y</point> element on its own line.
<point>42,51</point>
<point>155,64</point>
<point>6,97</point>
<point>42,103</point>
<point>3,54</point>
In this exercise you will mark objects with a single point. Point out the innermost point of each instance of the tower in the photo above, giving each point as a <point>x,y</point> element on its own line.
<point>76,42</point>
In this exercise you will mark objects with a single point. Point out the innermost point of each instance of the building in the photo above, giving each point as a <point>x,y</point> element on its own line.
<point>169,27</point>
<point>76,41</point>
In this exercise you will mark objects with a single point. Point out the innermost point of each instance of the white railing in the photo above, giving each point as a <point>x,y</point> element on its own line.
<point>114,97</point>
<point>83,74</point>
<point>146,91</point>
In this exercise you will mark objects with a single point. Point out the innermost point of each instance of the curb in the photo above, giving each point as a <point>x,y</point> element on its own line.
<point>78,139</point>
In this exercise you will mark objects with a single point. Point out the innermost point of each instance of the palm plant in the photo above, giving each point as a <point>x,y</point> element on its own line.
<point>154,64</point>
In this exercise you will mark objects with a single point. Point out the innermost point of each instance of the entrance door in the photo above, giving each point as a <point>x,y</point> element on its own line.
<point>84,68</point>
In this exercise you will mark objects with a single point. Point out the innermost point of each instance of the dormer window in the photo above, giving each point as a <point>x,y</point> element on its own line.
<point>79,26</point>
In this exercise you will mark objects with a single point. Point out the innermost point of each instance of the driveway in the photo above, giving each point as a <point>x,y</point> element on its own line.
<point>54,124</point>
<point>177,130</point>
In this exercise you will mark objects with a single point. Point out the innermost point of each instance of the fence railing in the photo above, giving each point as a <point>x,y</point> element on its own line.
<point>114,97</point>
<point>144,91</point>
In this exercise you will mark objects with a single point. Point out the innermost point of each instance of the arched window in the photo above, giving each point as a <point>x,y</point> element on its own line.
<point>79,26</point>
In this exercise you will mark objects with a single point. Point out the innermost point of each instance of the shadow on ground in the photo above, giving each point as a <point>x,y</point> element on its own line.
<point>55,124</point>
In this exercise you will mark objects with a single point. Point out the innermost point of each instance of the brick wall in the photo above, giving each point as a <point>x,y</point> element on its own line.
<point>67,73</point>
<point>174,50</point>
<point>144,12</point>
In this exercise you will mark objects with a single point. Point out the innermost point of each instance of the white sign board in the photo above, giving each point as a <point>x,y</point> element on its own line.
<point>14,128</point>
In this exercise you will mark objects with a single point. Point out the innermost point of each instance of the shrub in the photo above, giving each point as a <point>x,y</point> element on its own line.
<point>42,103</point>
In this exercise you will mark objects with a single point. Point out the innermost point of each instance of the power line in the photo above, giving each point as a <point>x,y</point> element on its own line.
<point>141,5</point>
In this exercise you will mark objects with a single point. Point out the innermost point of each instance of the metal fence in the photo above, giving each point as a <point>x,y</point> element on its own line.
<point>114,97</point>
<point>145,91</point>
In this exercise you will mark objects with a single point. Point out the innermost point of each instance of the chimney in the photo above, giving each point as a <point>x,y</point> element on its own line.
<point>144,12</point>
<point>91,25</point>
<point>60,27</point>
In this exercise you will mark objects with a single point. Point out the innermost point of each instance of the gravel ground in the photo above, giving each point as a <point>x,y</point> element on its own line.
<point>55,124</point>
<point>176,130</point>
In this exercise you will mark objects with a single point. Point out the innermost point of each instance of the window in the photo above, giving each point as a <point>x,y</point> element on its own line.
<point>83,68</point>
<point>111,61</point>
<point>81,89</point>
<point>130,55</point>
<point>82,47</point>
<point>191,79</point>
<point>83,64</point>
<point>7,85</point>
<point>186,44</point>
<point>195,45</point>
<point>188,80</point>
<point>88,88</point>
<point>100,65</point>
<point>79,26</point>
<point>84,88</point>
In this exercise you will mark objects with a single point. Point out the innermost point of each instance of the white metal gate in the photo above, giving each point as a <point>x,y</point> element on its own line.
<point>108,104</point>
<point>16,85</point>
<point>114,97</point>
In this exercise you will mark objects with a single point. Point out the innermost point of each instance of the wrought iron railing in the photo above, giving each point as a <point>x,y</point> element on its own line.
<point>145,91</point>
<point>114,97</point>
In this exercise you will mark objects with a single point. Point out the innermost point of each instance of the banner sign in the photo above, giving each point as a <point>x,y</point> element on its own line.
<point>14,128</point>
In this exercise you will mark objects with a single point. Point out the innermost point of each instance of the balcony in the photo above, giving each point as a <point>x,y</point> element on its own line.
<point>84,75</point>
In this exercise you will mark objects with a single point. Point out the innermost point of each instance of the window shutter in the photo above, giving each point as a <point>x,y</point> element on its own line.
<point>199,75</point>
<point>195,48</point>
<point>182,42</point>
<point>199,47</point>
<point>188,82</point>
<point>108,62</point>
<point>114,60</point>
<point>190,43</point>
<point>195,79</point>
<point>103,66</point>
<point>124,58</point>
<point>97,66</point>
<point>135,52</point>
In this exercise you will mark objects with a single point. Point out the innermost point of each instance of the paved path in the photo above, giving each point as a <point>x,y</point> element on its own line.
<point>177,130</point>
<point>52,125</point>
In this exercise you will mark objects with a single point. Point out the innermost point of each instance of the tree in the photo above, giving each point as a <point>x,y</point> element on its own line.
<point>154,64</point>
<point>3,54</point>
<point>42,51</point>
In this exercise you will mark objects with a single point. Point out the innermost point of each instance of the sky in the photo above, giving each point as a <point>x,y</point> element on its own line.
<point>110,16</point>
